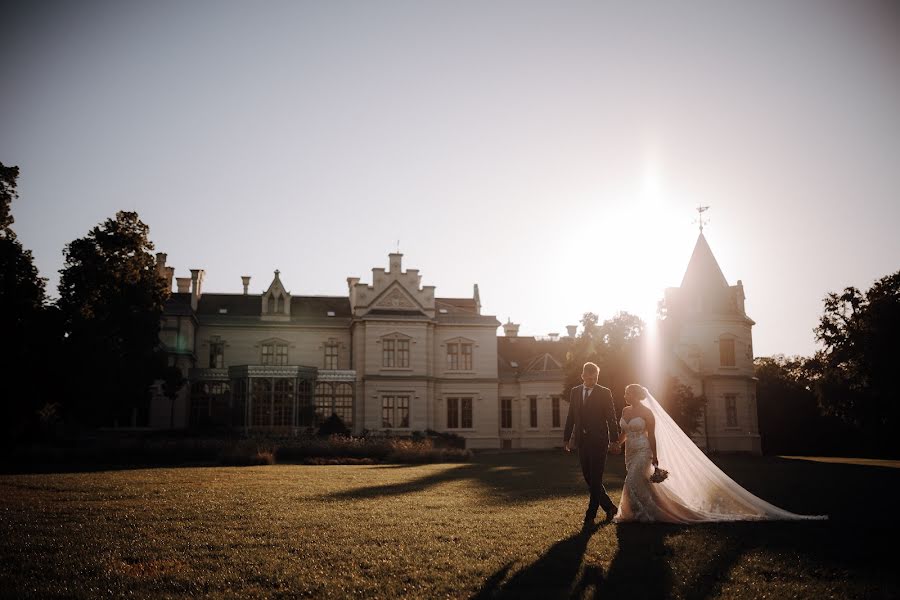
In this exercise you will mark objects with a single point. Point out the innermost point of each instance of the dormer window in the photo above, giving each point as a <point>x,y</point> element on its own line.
<point>276,304</point>
<point>276,301</point>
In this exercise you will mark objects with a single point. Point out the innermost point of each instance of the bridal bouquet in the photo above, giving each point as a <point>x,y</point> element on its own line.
<point>659,475</point>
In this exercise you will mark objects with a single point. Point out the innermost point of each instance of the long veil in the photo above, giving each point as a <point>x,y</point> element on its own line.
<point>697,483</point>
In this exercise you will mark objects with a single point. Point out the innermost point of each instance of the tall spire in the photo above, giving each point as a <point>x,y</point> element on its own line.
<point>703,269</point>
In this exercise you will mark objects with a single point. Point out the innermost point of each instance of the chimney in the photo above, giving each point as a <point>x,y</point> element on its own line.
<point>245,279</point>
<point>394,262</point>
<point>510,329</point>
<point>184,285</point>
<point>161,263</point>
<point>476,296</point>
<point>163,271</point>
<point>196,286</point>
<point>572,329</point>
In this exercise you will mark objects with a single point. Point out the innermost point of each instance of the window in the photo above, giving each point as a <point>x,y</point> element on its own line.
<point>555,401</point>
<point>283,402</point>
<point>394,412</point>
<point>452,357</point>
<point>276,304</point>
<point>403,353</point>
<point>274,354</point>
<point>261,397</point>
<point>395,352</point>
<point>726,352</point>
<point>209,402</point>
<point>506,413</point>
<point>343,402</point>
<point>388,356</point>
<point>459,356</point>
<point>459,413</point>
<point>216,355</point>
<point>323,401</point>
<point>331,398</point>
<point>532,411</point>
<point>331,355</point>
<point>305,408</point>
<point>731,410</point>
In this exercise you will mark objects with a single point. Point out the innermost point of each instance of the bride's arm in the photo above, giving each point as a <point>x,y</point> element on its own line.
<point>651,433</point>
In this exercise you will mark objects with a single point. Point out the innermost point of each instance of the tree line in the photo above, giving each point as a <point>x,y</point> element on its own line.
<point>87,359</point>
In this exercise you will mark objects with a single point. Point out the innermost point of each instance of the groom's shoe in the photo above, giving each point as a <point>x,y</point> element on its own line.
<point>611,513</point>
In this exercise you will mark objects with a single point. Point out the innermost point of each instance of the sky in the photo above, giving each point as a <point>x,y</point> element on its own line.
<point>554,153</point>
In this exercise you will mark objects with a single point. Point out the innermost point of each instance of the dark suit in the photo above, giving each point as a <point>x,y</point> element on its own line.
<point>591,424</point>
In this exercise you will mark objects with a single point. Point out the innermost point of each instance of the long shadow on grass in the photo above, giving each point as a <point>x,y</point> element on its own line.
<point>553,575</point>
<point>519,478</point>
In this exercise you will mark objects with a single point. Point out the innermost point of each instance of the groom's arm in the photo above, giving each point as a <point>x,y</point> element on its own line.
<point>611,422</point>
<point>570,420</point>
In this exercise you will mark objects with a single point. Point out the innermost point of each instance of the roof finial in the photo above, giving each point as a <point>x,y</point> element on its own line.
<point>700,210</point>
<point>398,246</point>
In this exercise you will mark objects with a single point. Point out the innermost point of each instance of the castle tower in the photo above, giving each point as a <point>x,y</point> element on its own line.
<point>710,348</point>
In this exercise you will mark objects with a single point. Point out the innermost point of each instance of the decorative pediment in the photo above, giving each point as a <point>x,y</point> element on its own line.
<point>392,291</point>
<point>395,298</point>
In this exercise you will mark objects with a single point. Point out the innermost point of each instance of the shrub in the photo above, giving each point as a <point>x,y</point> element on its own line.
<point>248,453</point>
<point>333,425</point>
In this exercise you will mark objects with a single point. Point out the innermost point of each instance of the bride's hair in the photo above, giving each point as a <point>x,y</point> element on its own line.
<point>639,392</point>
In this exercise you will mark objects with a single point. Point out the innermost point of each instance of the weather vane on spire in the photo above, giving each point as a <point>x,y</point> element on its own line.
<point>700,210</point>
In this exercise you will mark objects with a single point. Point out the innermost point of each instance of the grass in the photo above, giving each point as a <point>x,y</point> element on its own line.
<point>502,526</point>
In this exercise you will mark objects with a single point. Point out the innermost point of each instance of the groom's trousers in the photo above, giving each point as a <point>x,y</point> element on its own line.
<point>592,454</point>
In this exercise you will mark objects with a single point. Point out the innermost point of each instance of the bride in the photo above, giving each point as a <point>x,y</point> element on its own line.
<point>695,491</point>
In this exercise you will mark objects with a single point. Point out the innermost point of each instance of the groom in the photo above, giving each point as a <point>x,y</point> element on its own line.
<point>590,427</point>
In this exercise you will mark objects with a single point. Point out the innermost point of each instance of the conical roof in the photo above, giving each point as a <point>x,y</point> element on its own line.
<point>703,271</point>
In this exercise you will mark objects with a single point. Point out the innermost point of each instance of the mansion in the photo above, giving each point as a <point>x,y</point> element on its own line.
<point>393,357</point>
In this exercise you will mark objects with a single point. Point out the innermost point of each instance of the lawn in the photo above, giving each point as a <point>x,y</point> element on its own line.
<point>503,526</point>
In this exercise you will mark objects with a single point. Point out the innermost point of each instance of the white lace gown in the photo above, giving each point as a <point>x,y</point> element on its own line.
<point>696,491</point>
<point>642,500</point>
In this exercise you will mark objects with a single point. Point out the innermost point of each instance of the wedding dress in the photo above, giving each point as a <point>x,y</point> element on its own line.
<point>695,491</point>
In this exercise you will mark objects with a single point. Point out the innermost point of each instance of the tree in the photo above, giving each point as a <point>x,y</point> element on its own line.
<point>614,346</point>
<point>683,406</point>
<point>172,382</point>
<point>790,421</point>
<point>111,300</point>
<point>9,177</point>
<point>854,375</point>
<point>25,320</point>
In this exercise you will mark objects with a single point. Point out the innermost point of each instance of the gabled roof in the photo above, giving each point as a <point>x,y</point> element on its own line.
<point>544,362</point>
<point>703,270</point>
<point>521,356</point>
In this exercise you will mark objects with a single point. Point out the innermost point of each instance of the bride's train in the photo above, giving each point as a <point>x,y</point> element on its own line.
<point>696,491</point>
